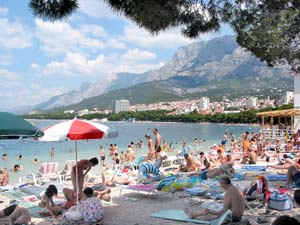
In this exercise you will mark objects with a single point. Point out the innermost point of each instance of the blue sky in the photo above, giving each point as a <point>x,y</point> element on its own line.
<point>40,59</point>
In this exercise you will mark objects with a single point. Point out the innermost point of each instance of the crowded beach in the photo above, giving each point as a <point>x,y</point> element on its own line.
<point>241,180</point>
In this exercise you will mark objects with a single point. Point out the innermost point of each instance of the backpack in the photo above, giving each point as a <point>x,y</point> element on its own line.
<point>280,202</point>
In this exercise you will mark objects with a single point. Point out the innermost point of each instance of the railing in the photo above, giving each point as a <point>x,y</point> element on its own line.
<point>276,133</point>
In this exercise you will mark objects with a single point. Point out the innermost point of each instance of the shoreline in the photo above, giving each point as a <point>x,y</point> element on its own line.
<point>163,122</point>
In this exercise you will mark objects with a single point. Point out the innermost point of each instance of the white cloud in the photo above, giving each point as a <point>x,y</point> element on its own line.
<point>14,35</point>
<point>138,55</point>
<point>61,37</point>
<point>8,75</point>
<point>115,43</point>
<point>6,59</point>
<point>35,66</point>
<point>93,30</point>
<point>96,9</point>
<point>140,37</point>
<point>75,64</point>
<point>3,11</point>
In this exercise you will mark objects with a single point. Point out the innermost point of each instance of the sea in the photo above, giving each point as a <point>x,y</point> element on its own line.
<point>173,133</point>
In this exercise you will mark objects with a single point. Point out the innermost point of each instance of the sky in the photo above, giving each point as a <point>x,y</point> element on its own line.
<point>40,59</point>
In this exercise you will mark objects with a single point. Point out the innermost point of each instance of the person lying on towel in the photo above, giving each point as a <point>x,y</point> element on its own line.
<point>19,215</point>
<point>233,201</point>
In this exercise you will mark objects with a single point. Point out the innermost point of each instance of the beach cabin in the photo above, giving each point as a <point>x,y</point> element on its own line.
<point>281,123</point>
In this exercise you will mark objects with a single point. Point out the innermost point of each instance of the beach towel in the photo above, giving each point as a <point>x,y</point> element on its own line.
<point>277,177</point>
<point>179,215</point>
<point>253,168</point>
<point>195,191</point>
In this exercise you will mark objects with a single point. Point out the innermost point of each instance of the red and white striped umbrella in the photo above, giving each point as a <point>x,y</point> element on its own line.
<point>77,130</point>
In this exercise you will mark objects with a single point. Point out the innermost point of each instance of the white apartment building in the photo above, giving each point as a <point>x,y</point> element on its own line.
<point>121,105</point>
<point>252,102</point>
<point>203,103</point>
<point>288,97</point>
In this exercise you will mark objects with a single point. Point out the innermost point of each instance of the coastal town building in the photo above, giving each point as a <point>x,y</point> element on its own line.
<point>252,103</point>
<point>203,103</point>
<point>121,105</point>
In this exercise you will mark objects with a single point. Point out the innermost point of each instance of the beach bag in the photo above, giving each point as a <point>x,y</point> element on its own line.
<point>280,202</point>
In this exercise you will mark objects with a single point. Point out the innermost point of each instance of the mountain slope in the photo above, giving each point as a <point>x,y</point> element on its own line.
<point>214,68</point>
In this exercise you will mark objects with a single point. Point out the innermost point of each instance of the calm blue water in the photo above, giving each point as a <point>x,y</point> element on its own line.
<point>171,132</point>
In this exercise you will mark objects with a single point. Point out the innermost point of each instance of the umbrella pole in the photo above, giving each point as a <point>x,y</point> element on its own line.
<point>77,188</point>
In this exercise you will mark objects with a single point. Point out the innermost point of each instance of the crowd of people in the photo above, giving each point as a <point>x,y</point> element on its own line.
<point>217,163</point>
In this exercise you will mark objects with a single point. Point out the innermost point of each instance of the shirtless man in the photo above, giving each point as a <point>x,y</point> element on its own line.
<point>157,140</point>
<point>233,201</point>
<point>250,157</point>
<point>190,164</point>
<point>82,165</point>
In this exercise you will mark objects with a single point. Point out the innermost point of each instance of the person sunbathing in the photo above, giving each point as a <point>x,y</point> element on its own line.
<point>225,169</point>
<point>233,201</point>
<point>288,161</point>
<point>293,174</point>
<point>19,215</point>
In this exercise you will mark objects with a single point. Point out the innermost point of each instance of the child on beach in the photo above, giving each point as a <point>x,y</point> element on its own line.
<point>48,203</point>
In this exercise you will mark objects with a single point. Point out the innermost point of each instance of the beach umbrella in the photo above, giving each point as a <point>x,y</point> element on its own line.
<point>77,130</point>
<point>14,127</point>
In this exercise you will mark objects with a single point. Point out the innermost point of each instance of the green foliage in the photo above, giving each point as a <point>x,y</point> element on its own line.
<point>53,9</point>
<point>270,30</point>
<point>51,116</point>
<point>160,116</point>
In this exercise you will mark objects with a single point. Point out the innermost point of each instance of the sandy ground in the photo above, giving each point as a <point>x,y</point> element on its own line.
<point>131,208</point>
<point>135,209</point>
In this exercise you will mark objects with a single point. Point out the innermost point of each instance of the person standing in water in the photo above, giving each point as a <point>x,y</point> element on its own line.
<point>52,152</point>
<point>157,140</point>
<point>102,155</point>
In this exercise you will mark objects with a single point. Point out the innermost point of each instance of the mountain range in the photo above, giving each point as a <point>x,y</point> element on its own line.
<point>214,68</point>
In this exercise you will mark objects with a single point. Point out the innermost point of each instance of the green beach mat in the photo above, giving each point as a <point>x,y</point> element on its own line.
<point>179,215</point>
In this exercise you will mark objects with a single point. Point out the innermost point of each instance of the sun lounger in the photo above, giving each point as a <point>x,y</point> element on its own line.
<point>47,171</point>
<point>67,169</point>
<point>179,215</point>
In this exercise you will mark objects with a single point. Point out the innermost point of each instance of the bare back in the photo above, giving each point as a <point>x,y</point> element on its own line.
<point>234,200</point>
